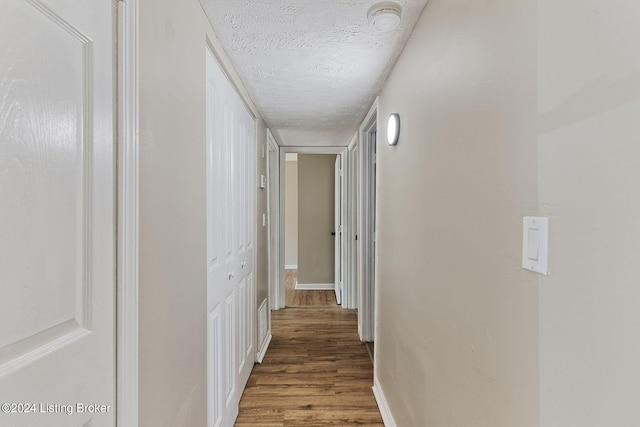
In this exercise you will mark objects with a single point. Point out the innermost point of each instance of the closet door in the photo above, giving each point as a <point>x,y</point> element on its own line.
<point>246,194</point>
<point>230,246</point>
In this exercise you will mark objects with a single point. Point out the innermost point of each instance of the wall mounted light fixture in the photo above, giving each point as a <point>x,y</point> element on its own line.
<point>393,128</point>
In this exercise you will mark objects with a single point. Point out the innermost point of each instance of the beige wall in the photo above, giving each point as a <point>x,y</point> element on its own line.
<point>291,213</point>
<point>512,108</point>
<point>589,185</point>
<point>262,238</point>
<point>172,214</point>
<point>457,318</point>
<point>316,176</point>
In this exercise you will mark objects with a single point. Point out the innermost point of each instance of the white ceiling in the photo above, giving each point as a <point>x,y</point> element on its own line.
<point>312,67</point>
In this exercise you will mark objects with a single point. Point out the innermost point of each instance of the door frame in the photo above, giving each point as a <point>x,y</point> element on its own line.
<point>273,208</point>
<point>349,286</point>
<point>368,213</point>
<point>273,244</point>
<point>281,285</point>
<point>338,227</point>
<point>127,196</point>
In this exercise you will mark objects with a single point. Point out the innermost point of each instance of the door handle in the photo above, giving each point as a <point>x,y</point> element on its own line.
<point>242,264</point>
<point>230,275</point>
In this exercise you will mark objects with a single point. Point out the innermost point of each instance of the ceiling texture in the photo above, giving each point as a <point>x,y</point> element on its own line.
<point>312,67</point>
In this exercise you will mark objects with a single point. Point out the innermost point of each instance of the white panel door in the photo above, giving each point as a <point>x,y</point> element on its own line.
<point>353,226</point>
<point>221,251</point>
<point>245,147</point>
<point>230,246</point>
<point>338,230</point>
<point>57,358</point>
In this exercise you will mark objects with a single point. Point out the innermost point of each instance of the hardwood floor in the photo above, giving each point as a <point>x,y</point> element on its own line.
<point>296,298</point>
<point>315,373</point>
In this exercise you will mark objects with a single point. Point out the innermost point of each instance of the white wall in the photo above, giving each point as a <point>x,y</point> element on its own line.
<point>291,212</point>
<point>172,354</point>
<point>457,318</point>
<point>172,331</point>
<point>512,108</point>
<point>316,200</point>
<point>588,149</point>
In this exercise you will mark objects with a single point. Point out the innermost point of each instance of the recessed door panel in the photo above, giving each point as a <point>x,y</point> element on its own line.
<point>230,340</point>
<point>242,325</point>
<point>215,193</point>
<point>56,210</point>
<point>228,182</point>
<point>215,356</point>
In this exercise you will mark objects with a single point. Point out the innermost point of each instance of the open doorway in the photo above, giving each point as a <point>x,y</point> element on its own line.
<point>312,217</point>
<point>312,255</point>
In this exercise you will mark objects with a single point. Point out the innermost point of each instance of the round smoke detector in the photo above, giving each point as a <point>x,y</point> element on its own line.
<point>385,16</point>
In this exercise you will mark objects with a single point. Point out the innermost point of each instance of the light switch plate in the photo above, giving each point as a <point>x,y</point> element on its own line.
<point>535,244</point>
<point>263,181</point>
<point>264,219</point>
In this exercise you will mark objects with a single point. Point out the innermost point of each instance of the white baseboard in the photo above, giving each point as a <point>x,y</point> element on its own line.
<point>387,418</point>
<point>290,267</point>
<point>263,349</point>
<point>315,286</point>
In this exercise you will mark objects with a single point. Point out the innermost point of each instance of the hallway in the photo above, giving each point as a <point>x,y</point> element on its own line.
<point>485,204</point>
<point>316,371</point>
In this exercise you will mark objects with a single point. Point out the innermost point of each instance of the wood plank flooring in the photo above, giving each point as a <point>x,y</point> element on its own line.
<point>296,298</point>
<point>315,373</point>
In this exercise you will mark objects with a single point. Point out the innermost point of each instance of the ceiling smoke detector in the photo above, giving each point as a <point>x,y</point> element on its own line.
<point>384,16</point>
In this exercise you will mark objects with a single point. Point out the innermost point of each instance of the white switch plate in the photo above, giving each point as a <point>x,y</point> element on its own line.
<point>535,244</point>
<point>263,181</point>
<point>264,219</point>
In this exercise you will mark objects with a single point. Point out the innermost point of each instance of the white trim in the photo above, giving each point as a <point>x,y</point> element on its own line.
<point>366,298</point>
<point>383,405</point>
<point>315,286</point>
<point>354,142</point>
<point>283,155</point>
<point>273,221</point>
<point>338,197</point>
<point>264,348</point>
<point>350,289</point>
<point>264,345</point>
<point>128,216</point>
<point>343,215</point>
<point>290,267</point>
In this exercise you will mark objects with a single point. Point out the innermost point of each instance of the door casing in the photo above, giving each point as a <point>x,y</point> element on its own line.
<point>128,216</point>
<point>368,258</point>
<point>349,273</point>
<point>280,285</point>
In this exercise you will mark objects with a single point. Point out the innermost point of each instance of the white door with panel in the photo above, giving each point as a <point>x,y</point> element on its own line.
<point>230,246</point>
<point>338,229</point>
<point>57,214</point>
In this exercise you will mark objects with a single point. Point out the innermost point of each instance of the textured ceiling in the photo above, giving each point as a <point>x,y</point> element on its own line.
<point>312,67</point>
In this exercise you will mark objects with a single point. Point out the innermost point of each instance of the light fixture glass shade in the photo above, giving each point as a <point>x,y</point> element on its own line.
<point>393,128</point>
